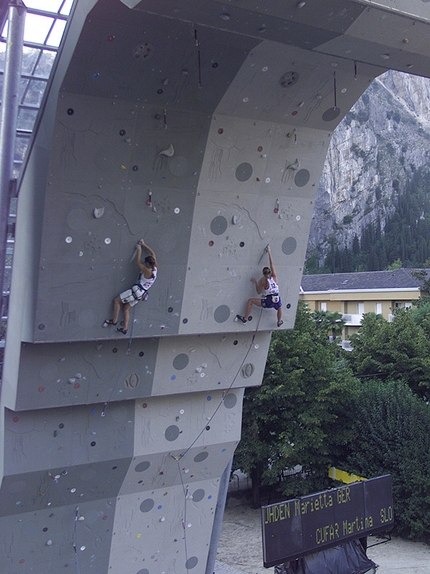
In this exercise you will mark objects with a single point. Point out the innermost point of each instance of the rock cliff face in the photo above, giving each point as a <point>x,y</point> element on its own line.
<point>373,152</point>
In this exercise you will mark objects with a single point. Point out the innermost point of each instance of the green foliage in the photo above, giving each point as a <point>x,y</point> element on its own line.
<point>306,393</point>
<point>329,323</point>
<point>397,264</point>
<point>392,351</point>
<point>393,437</point>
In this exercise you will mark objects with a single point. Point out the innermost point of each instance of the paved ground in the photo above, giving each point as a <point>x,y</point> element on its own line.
<point>240,547</point>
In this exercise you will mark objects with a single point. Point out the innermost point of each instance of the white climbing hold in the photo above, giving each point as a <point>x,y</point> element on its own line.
<point>98,212</point>
<point>169,152</point>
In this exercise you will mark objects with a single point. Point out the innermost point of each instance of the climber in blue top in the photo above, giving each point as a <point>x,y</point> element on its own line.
<point>268,288</point>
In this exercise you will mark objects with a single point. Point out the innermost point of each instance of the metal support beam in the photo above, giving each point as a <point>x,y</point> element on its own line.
<point>219,515</point>
<point>8,121</point>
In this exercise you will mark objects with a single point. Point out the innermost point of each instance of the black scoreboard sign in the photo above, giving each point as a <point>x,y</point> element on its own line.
<point>304,525</point>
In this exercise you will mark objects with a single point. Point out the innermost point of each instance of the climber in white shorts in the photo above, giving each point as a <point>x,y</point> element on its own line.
<point>138,292</point>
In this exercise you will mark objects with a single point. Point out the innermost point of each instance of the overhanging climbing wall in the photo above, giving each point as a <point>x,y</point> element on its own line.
<point>202,128</point>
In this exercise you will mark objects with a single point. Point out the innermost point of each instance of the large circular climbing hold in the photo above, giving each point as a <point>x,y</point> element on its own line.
<point>230,400</point>
<point>222,314</point>
<point>218,225</point>
<point>201,456</point>
<point>147,505</point>
<point>288,79</point>
<point>178,165</point>
<point>171,433</point>
<point>191,562</point>
<point>302,177</point>
<point>180,361</point>
<point>330,114</point>
<point>289,245</point>
<point>142,466</point>
<point>198,494</point>
<point>243,171</point>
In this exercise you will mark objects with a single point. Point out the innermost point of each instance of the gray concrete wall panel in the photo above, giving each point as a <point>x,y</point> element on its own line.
<point>85,373</point>
<point>63,437</point>
<point>213,362</point>
<point>179,519</point>
<point>185,421</point>
<point>112,371</point>
<point>62,539</point>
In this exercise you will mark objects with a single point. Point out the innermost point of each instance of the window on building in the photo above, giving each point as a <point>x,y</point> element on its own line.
<point>360,308</point>
<point>323,306</point>
<point>378,308</point>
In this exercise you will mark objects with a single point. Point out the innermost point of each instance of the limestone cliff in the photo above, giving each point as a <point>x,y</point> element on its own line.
<point>373,152</point>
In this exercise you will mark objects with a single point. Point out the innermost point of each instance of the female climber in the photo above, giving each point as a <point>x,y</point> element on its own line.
<point>268,288</point>
<point>138,292</point>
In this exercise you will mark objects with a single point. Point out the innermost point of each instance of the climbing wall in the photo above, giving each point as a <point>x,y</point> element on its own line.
<point>203,132</point>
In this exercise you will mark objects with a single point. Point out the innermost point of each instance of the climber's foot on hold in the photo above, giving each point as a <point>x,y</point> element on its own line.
<point>240,318</point>
<point>121,330</point>
<point>108,322</point>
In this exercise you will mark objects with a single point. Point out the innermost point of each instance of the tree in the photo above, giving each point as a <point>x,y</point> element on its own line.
<point>392,426</point>
<point>330,323</point>
<point>398,351</point>
<point>301,415</point>
<point>397,264</point>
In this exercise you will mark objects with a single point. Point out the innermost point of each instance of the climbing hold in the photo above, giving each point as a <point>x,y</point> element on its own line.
<point>169,152</point>
<point>98,212</point>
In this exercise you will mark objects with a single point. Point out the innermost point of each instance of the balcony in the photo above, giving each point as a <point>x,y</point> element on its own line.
<point>352,320</point>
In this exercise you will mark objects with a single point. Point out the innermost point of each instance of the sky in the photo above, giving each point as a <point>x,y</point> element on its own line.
<point>37,27</point>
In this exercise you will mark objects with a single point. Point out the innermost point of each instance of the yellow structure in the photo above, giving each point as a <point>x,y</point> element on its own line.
<point>353,294</point>
<point>343,476</point>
